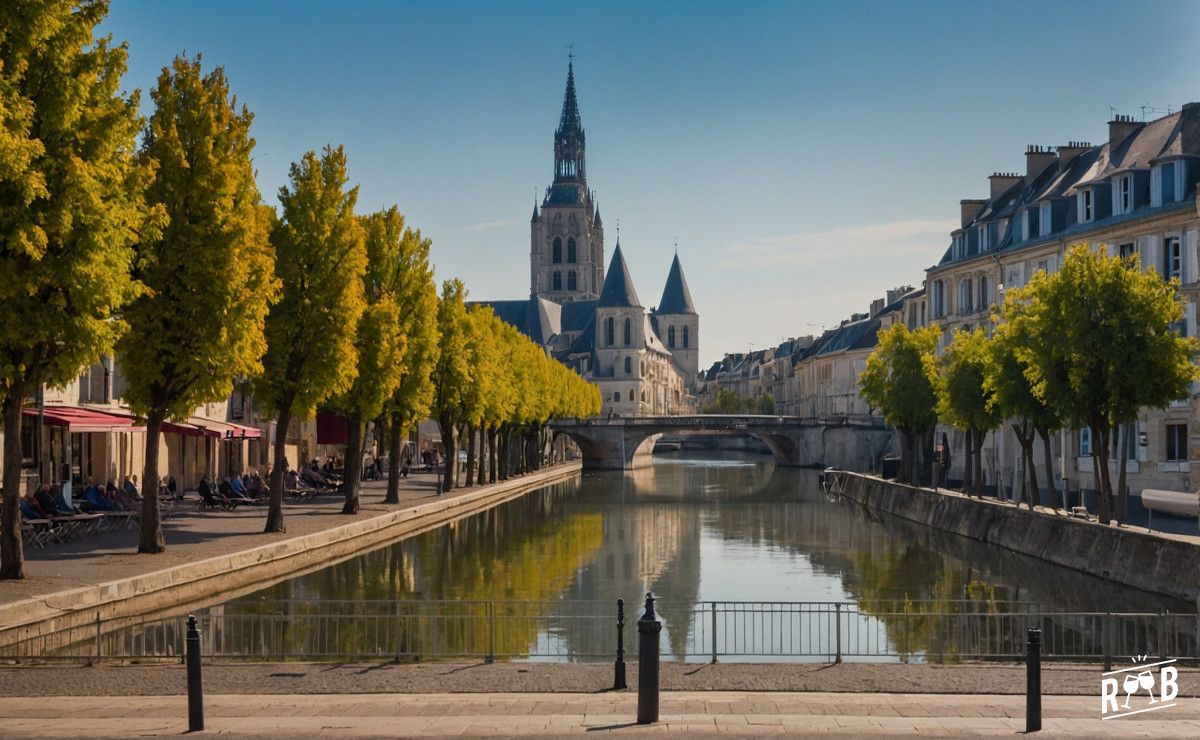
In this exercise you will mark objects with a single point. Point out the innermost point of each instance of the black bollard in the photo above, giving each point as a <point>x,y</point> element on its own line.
<point>619,667</point>
<point>195,692</point>
<point>648,654</point>
<point>1033,681</point>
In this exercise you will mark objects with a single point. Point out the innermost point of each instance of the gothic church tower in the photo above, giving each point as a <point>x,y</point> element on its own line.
<point>566,249</point>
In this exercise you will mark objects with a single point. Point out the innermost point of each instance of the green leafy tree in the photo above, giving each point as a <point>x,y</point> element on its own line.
<point>209,273</point>
<point>451,373</point>
<point>1099,345</point>
<point>963,400</point>
<point>895,382</point>
<point>320,257</point>
<point>416,296</point>
<point>71,207</point>
<point>379,342</point>
<point>1013,398</point>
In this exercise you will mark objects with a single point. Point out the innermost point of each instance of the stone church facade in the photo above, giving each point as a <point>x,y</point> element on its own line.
<point>644,362</point>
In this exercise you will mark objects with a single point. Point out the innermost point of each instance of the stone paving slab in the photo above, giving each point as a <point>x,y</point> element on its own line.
<point>691,714</point>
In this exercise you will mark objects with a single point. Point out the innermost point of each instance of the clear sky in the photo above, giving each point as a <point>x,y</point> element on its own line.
<point>806,156</point>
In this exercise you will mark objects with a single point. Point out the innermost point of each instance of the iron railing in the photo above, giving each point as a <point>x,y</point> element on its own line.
<point>923,631</point>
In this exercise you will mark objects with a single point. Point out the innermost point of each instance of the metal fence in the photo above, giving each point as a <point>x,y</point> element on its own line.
<point>941,631</point>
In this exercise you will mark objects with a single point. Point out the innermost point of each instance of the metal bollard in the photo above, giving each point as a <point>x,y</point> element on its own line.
<point>1033,680</point>
<point>619,666</point>
<point>195,692</point>
<point>648,656</point>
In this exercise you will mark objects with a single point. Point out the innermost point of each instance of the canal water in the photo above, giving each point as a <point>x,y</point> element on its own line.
<point>696,527</point>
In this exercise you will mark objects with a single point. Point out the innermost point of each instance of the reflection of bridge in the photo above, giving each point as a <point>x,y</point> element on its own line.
<point>626,443</point>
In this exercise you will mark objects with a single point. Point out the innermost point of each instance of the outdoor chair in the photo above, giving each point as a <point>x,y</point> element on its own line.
<point>37,531</point>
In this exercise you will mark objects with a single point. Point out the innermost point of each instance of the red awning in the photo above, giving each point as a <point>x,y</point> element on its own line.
<point>187,430</point>
<point>225,429</point>
<point>77,419</point>
<point>331,428</point>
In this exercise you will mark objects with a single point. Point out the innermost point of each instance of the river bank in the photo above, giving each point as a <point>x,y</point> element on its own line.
<point>217,554</point>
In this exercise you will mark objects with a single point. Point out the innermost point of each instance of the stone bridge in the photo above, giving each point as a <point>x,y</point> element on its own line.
<point>625,443</point>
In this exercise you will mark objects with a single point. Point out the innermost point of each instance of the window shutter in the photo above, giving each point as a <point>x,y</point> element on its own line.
<point>1190,257</point>
<point>1153,254</point>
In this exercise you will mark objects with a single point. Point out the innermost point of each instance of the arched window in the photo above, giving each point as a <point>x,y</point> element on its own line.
<point>557,281</point>
<point>631,395</point>
<point>628,366</point>
<point>671,337</point>
<point>571,284</point>
<point>628,332</point>
<point>557,250</point>
<point>571,250</point>
<point>616,396</point>
<point>608,332</point>
<point>685,337</point>
<point>985,298</point>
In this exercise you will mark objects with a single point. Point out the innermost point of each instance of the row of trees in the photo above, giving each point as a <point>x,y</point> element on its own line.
<point>1088,346</point>
<point>166,253</point>
<point>729,402</point>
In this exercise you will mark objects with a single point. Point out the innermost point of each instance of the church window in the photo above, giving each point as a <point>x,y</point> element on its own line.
<point>571,283</point>
<point>608,332</point>
<point>685,337</point>
<point>557,280</point>
<point>671,337</point>
<point>628,366</point>
<point>628,332</point>
<point>571,250</point>
<point>631,395</point>
<point>557,250</point>
<point>616,396</point>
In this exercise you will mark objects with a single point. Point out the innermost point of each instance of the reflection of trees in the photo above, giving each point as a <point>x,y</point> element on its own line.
<point>526,550</point>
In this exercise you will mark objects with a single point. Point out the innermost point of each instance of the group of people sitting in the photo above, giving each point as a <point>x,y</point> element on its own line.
<point>312,479</point>
<point>111,497</point>
<point>234,490</point>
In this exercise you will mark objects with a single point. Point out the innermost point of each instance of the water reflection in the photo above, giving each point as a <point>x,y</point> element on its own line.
<point>690,528</point>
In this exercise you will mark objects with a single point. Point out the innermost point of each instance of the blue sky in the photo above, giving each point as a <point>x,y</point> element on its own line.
<point>806,156</point>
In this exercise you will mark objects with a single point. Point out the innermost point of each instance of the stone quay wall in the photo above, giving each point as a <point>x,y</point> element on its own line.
<point>1161,563</point>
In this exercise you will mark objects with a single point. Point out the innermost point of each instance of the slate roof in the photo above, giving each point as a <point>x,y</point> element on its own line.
<point>536,318</point>
<point>576,315</point>
<point>676,298</point>
<point>618,288</point>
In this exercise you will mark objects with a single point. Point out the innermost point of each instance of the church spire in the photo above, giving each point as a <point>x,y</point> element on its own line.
<point>569,138</point>
<point>676,298</point>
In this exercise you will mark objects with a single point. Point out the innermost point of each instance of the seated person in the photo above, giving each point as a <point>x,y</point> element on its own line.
<point>46,503</point>
<point>173,487</point>
<point>236,485</point>
<point>96,499</point>
<point>225,488</point>
<point>206,490</point>
<point>259,486</point>
<point>130,488</point>
<point>248,484</point>
<point>60,500</point>
<point>292,482</point>
<point>29,508</point>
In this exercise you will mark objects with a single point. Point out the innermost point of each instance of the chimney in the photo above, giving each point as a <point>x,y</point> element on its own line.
<point>894,294</point>
<point>1001,181</point>
<point>1119,129</point>
<point>969,208</point>
<point>1071,150</point>
<point>1037,159</point>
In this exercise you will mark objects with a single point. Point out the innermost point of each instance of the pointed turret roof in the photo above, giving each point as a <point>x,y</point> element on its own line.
<point>535,214</point>
<point>596,218</point>
<point>570,112</point>
<point>676,297</point>
<point>618,285</point>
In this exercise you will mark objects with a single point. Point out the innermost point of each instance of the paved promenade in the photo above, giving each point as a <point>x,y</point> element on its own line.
<point>694,714</point>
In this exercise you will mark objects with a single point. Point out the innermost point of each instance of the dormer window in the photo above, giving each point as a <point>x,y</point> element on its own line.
<point>1087,206</point>
<point>1045,219</point>
<point>1164,184</point>
<point>984,234</point>
<point>1123,195</point>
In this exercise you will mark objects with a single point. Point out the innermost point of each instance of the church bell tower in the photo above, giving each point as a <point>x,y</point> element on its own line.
<point>566,250</point>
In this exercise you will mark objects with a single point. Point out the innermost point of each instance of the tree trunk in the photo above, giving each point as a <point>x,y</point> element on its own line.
<point>968,469</point>
<point>1122,492</point>
<point>979,434</point>
<point>906,457</point>
<point>1053,489</point>
<point>1025,438</point>
<point>483,455</point>
<point>447,431</point>
<point>470,455</point>
<point>493,459</point>
<point>355,428</point>
<point>151,539</point>
<point>396,451</point>
<point>12,557</point>
<point>278,468</point>
<point>1101,462</point>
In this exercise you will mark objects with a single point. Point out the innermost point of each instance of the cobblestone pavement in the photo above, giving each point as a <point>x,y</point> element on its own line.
<point>695,714</point>
<point>477,676</point>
